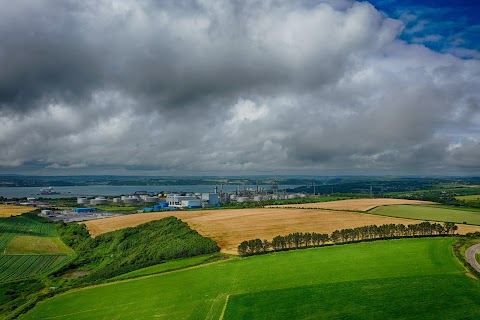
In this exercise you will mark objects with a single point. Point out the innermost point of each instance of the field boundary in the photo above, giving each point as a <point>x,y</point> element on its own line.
<point>224,307</point>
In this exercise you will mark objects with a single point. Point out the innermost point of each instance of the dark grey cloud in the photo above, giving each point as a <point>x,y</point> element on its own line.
<point>231,86</point>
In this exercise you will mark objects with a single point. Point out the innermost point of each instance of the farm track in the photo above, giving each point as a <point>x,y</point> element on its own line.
<point>470,255</point>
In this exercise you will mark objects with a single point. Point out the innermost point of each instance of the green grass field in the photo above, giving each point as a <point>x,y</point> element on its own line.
<point>113,208</point>
<point>408,278</point>
<point>428,213</point>
<point>37,245</point>
<point>362,299</point>
<point>26,225</point>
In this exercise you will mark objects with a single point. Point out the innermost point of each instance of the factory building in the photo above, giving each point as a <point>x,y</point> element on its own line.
<point>175,200</point>
<point>84,210</point>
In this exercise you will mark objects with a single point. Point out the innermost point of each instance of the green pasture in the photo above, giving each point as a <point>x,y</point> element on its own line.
<point>395,273</point>
<point>37,245</point>
<point>27,226</point>
<point>428,213</point>
<point>409,297</point>
<point>114,208</point>
<point>473,197</point>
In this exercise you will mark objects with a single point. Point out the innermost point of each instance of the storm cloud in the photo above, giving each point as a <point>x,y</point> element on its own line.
<point>172,87</point>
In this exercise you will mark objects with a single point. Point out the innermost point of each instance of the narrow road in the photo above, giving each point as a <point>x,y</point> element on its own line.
<point>470,254</point>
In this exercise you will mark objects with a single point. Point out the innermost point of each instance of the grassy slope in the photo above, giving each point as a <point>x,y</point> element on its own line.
<point>37,245</point>
<point>428,213</point>
<point>171,265</point>
<point>201,293</point>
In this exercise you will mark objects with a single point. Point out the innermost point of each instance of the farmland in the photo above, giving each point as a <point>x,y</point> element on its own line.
<point>29,248</point>
<point>354,281</point>
<point>229,227</point>
<point>354,204</point>
<point>20,266</point>
<point>8,210</point>
<point>428,213</point>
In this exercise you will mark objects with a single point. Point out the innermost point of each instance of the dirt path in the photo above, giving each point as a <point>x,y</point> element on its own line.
<point>470,254</point>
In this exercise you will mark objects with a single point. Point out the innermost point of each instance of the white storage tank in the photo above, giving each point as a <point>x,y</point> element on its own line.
<point>82,200</point>
<point>98,201</point>
<point>116,200</point>
<point>257,198</point>
<point>242,199</point>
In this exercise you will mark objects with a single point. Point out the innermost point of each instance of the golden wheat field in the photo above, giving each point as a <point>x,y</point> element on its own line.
<point>354,204</point>
<point>229,227</point>
<point>8,210</point>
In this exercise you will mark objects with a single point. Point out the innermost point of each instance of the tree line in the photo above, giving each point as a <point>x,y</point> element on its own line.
<point>299,240</point>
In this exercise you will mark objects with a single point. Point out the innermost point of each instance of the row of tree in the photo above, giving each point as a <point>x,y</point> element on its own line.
<point>372,232</point>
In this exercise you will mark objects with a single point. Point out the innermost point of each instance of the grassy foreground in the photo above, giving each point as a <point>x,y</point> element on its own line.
<point>430,213</point>
<point>307,281</point>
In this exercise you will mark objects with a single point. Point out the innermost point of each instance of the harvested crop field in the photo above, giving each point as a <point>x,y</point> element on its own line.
<point>229,227</point>
<point>8,210</point>
<point>354,204</point>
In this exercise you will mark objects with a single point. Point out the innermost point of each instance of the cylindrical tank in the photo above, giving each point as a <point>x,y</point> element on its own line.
<point>82,200</point>
<point>257,198</point>
<point>116,200</point>
<point>242,199</point>
<point>98,200</point>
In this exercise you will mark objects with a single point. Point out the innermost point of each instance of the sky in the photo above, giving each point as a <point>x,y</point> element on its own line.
<point>192,87</point>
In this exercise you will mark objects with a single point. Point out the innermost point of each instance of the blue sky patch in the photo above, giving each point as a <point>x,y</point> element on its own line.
<point>443,26</point>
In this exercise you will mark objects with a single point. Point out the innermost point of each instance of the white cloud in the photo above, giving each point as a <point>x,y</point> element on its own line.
<point>241,87</point>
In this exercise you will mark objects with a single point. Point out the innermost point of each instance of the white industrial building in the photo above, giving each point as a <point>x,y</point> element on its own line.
<point>175,200</point>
